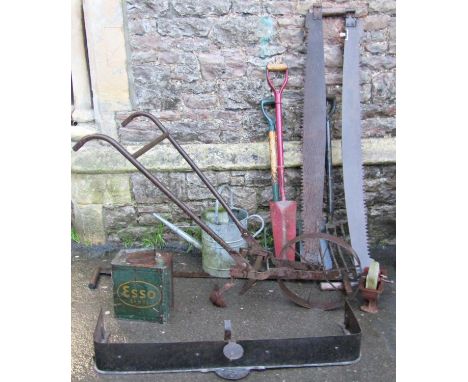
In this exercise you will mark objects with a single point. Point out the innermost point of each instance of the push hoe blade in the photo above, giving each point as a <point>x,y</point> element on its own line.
<point>283,222</point>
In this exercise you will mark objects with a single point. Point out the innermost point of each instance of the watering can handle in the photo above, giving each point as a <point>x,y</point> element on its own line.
<point>261,221</point>
<point>231,202</point>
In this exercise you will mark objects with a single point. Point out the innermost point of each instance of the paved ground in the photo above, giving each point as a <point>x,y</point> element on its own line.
<point>261,313</point>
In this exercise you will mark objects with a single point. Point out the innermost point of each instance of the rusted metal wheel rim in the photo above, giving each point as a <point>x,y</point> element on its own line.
<point>352,271</point>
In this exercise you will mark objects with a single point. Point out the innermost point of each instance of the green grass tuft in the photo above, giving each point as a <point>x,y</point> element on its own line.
<point>74,236</point>
<point>268,238</point>
<point>127,241</point>
<point>196,233</point>
<point>155,238</point>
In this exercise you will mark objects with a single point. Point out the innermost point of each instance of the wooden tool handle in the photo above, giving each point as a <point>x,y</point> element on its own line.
<point>277,67</point>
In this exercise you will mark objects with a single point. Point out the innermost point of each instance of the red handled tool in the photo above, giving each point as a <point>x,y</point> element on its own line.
<point>283,212</point>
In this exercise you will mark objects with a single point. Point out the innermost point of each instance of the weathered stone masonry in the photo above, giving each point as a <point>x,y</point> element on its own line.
<point>200,67</point>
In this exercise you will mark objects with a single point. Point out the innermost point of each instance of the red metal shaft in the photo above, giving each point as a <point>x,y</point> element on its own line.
<point>279,144</point>
<point>279,130</point>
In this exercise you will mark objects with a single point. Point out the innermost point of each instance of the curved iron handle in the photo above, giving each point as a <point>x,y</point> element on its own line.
<point>137,114</point>
<point>235,255</point>
<point>245,234</point>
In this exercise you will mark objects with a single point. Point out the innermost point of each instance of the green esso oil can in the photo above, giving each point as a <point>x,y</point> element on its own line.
<point>142,285</point>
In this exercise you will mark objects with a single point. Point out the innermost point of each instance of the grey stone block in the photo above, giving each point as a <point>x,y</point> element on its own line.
<point>118,217</point>
<point>371,110</point>
<point>377,127</point>
<point>184,27</point>
<point>382,6</point>
<point>201,8</point>
<point>378,62</point>
<point>366,92</point>
<point>377,47</point>
<point>238,95</point>
<point>275,7</point>
<point>333,56</point>
<point>147,8</point>
<point>383,87</point>
<point>145,192</point>
<point>212,65</point>
<point>376,22</point>
<point>257,178</point>
<point>247,7</point>
<point>200,101</point>
<point>243,31</point>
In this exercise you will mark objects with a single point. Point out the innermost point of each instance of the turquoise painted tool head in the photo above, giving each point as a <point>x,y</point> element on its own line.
<point>271,119</point>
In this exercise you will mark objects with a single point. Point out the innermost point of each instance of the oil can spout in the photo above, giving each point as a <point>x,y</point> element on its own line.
<point>182,234</point>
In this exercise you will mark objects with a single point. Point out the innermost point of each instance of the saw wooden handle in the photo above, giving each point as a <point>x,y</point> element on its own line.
<point>277,67</point>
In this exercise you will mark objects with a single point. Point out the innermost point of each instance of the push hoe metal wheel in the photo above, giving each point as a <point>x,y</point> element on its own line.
<point>345,261</point>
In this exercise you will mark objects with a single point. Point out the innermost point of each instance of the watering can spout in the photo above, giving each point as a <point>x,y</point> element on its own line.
<point>182,234</point>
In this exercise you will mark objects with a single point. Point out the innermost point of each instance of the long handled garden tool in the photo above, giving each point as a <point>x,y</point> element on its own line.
<point>283,212</point>
<point>272,147</point>
<point>273,166</point>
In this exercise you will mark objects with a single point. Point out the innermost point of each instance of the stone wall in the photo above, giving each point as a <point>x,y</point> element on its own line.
<point>252,190</point>
<point>200,67</point>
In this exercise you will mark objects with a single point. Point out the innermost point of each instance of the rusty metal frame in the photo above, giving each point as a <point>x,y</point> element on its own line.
<point>243,268</point>
<point>132,158</point>
<point>211,356</point>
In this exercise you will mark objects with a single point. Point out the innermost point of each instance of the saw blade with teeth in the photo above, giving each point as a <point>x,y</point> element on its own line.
<point>353,172</point>
<point>313,135</point>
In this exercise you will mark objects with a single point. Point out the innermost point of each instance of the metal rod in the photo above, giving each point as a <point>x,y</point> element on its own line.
<point>150,145</point>
<point>227,330</point>
<point>190,275</point>
<point>238,259</point>
<point>329,171</point>
<point>332,253</point>
<point>331,102</point>
<point>95,278</point>
<point>340,252</point>
<point>337,12</point>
